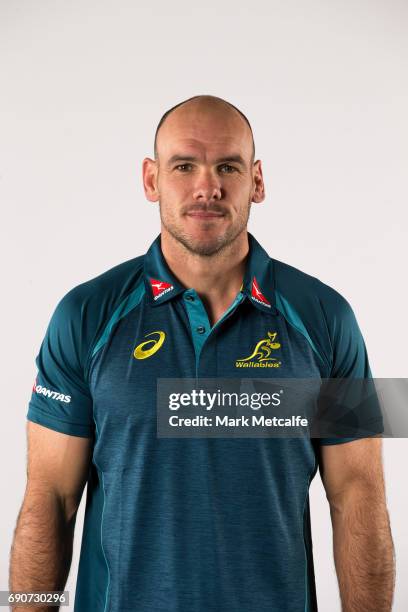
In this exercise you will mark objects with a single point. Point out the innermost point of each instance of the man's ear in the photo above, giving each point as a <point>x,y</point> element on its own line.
<point>150,183</point>
<point>258,193</point>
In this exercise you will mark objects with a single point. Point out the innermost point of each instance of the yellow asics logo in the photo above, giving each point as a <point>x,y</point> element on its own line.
<point>141,352</point>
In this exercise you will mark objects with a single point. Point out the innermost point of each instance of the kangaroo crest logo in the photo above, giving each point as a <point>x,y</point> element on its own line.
<point>149,347</point>
<point>261,355</point>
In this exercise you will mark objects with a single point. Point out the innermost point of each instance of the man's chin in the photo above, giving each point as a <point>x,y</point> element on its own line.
<point>204,241</point>
<point>206,245</point>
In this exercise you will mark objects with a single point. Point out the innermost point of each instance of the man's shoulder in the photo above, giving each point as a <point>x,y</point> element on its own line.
<point>118,279</point>
<point>324,316</point>
<point>307,292</point>
<point>97,297</point>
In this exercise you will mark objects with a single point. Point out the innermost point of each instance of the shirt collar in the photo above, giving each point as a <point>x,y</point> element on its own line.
<point>161,285</point>
<point>258,284</point>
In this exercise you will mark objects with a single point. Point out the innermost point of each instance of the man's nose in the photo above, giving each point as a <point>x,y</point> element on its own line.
<point>207,187</point>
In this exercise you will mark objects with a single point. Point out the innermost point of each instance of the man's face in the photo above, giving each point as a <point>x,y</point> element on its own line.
<point>205,180</point>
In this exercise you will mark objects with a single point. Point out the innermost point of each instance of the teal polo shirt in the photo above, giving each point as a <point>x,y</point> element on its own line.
<point>184,524</point>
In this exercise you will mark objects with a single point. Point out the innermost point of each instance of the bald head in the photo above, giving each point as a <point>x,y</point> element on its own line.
<point>204,107</point>
<point>204,175</point>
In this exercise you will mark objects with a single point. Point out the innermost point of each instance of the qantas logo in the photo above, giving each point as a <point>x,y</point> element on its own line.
<point>257,295</point>
<point>159,288</point>
<point>56,395</point>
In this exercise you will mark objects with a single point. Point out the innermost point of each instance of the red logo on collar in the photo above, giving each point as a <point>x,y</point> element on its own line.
<point>257,295</point>
<point>159,288</point>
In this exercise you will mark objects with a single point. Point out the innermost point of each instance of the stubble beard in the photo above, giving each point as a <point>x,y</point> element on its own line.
<point>212,246</point>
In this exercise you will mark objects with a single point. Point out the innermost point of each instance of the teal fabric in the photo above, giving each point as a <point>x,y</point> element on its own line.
<point>68,426</point>
<point>293,318</point>
<point>93,572</point>
<point>187,525</point>
<point>199,320</point>
<point>130,302</point>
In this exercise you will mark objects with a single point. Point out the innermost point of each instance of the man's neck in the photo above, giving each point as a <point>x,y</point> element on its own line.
<point>217,279</point>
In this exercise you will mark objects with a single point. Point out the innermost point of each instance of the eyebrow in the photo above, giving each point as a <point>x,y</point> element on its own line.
<point>237,158</point>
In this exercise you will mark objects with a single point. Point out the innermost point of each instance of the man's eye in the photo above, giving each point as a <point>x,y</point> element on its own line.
<point>228,166</point>
<point>231,169</point>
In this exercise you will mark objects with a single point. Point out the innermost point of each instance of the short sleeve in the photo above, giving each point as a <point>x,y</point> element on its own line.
<point>61,398</point>
<point>350,361</point>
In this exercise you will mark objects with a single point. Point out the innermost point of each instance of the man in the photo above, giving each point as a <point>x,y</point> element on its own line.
<point>187,524</point>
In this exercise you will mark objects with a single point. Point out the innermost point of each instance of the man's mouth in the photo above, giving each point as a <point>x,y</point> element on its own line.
<point>203,214</point>
<point>200,213</point>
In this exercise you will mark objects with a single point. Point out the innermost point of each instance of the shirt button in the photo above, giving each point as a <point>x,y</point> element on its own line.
<point>189,297</point>
<point>200,329</point>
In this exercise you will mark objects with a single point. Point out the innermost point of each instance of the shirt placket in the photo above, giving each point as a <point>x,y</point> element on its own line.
<point>200,326</point>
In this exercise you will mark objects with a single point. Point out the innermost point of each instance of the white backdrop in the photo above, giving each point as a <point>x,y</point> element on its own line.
<point>83,86</point>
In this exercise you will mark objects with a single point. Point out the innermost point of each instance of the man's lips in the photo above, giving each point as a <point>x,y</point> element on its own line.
<point>205,214</point>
